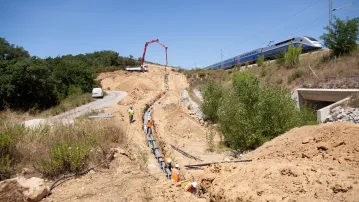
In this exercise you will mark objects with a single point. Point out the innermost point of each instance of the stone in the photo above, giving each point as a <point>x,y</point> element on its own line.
<point>341,115</point>
<point>329,118</point>
<point>306,140</point>
<point>19,188</point>
<point>336,109</point>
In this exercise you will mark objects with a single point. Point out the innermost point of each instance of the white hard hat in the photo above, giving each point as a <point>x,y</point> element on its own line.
<point>169,161</point>
<point>194,184</point>
<point>177,166</point>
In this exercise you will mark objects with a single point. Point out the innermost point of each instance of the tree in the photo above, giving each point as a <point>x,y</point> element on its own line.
<point>342,36</point>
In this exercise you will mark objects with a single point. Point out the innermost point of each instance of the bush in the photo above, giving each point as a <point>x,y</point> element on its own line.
<point>210,141</point>
<point>10,135</point>
<point>212,93</point>
<point>260,60</point>
<point>201,74</point>
<point>247,64</point>
<point>291,57</point>
<point>249,114</point>
<point>65,157</point>
<point>297,74</point>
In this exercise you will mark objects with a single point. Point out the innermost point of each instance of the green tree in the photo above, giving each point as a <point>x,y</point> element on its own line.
<point>341,37</point>
<point>291,57</point>
<point>212,94</point>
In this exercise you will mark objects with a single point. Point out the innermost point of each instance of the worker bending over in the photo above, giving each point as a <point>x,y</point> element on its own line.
<point>191,187</point>
<point>149,125</point>
<point>176,173</point>
<point>131,113</point>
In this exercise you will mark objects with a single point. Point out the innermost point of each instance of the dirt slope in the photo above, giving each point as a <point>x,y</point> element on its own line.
<point>311,163</point>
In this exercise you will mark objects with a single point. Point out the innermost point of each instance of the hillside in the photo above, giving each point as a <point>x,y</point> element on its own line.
<point>322,75</point>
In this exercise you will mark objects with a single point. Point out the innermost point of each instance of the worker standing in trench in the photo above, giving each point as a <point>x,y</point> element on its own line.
<point>175,174</point>
<point>149,126</point>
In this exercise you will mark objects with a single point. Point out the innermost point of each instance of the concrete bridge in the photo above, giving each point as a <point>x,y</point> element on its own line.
<point>322,100</point>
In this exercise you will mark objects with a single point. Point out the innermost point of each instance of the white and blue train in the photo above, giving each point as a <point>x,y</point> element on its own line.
<point>269,52</point>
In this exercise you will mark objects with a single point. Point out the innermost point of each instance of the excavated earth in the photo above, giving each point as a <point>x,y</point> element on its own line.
<point>311,163</point>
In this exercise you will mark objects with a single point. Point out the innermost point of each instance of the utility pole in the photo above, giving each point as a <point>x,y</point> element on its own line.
<point>330,14</point>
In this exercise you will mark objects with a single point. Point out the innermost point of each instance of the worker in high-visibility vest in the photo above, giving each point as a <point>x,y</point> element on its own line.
<point>190,187</point>
<point>176,173</point>
<point>131,113</point>
<point>149,125</point>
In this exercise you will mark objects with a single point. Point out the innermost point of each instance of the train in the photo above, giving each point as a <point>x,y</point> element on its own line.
<point>270,52</point>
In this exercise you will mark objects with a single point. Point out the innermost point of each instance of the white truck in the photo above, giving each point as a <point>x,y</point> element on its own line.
<point>143,68</point>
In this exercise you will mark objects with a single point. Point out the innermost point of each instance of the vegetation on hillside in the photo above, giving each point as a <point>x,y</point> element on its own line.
<point>28,82</point>
<point>342,36</point>
<point>55,150</point>
<point>249,114</point>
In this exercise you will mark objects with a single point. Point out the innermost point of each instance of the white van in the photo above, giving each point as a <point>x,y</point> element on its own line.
<point>97,93</point>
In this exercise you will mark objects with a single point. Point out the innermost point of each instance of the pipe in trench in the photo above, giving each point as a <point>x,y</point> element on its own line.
<point>151,142</point>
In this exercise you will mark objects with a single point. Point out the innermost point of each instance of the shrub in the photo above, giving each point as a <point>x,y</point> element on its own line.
<point>291,57</point>
<point>297,74</point>
<point>247,64</point>
<point>65,157</point>
<point>10,135</point>
<point>210,141</point>
<point>250,114</point>
<point>212,93</point>
<point>260,60</point>
<point>201,74</point>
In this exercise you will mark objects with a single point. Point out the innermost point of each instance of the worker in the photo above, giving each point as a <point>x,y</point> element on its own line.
<point>131,113</point>
<point>191,187</point>
<point>169,164</point>
<point>176,173</point>
<point>149,125</point>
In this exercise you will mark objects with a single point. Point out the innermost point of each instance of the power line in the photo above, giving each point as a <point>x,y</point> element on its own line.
<point>297,13</point>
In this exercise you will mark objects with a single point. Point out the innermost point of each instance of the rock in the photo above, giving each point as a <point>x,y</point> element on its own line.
<point>329,118</point>
<point>323,147</point>
<point>306,140</point>
<point>92,172</point>
<point>340,116</point>
<point>25,171</point>
<point>20,188</point>
<point>336,109</point>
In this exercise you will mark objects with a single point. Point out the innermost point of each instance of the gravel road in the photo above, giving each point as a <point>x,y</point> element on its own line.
<point>68,117</point>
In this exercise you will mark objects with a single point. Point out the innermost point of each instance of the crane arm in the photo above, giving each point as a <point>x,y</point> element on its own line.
<point>144,51</point>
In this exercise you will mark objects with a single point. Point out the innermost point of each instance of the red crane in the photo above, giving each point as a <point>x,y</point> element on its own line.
<point>144,52</point>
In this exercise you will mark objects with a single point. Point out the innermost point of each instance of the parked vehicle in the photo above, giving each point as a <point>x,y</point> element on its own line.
<point>97,93</point>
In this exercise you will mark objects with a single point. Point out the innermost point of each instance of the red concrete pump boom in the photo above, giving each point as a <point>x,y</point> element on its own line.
<point>144,52</point>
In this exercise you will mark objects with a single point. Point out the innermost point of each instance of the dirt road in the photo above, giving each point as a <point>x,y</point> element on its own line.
<point>68,117</point>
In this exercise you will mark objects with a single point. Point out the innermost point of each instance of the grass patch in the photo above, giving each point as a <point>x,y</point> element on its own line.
<point>297,74</point>
<point>57,149</point>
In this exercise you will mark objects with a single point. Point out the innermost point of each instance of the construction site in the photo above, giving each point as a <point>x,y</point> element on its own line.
<point>271,124</point>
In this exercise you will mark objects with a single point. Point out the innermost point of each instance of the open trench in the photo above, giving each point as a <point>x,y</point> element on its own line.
<point>150,138</point>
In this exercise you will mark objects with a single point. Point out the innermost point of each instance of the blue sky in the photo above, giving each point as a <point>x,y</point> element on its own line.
<point>194,30</point>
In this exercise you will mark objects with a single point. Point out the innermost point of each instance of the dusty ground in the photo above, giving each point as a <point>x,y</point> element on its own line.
<point>312,163</point>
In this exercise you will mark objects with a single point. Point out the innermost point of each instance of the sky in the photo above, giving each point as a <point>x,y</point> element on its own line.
<point>195,31</point>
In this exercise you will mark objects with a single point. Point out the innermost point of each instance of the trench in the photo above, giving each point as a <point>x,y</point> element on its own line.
<point>150,138</point>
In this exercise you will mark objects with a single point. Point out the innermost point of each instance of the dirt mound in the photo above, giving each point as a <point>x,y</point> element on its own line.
<point>335,143</point>
<point>311,163</point>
